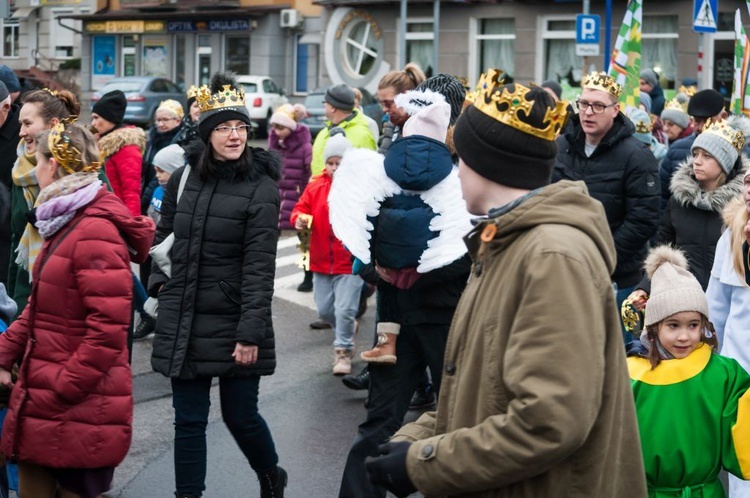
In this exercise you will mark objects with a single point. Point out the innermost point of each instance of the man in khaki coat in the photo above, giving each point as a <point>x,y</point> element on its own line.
<point>536,400</point>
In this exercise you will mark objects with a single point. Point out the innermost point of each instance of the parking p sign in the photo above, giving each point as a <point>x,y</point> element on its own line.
<point>587,35</point>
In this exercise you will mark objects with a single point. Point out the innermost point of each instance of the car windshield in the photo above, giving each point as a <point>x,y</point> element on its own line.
<point>314,103</point>
<point>250,87</point>
<point>123,86</point>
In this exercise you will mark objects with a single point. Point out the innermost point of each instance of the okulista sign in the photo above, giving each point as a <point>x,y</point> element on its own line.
<point>210,25</point>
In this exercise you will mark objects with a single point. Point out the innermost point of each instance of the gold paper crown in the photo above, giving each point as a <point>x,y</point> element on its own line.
<point>192,92</point>
<point>227,97</point>
<point>67,156</point>
<point>687,90</point>
<point>487,80</point>
<point>604,82</point>
<point>172,106</point>
<point>507,107</point>
<point>723,130</point>
<point>676,105</point>
<point>642,126</point>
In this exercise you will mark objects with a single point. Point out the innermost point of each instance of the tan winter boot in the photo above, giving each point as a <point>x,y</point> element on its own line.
<point>342,363</point>
<point>385,350</point>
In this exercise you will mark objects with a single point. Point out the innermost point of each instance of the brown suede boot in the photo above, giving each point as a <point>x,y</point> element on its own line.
<point>385,350</point>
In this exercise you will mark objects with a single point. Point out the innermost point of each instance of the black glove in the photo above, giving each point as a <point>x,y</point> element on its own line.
<point>389,469</point>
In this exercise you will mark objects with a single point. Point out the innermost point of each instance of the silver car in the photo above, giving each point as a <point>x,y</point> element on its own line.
<point>144,94</point>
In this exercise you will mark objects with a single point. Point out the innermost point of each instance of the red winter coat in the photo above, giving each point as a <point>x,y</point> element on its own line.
<point>327,254</point>
<point>72,406</point>
<point>122,151</point>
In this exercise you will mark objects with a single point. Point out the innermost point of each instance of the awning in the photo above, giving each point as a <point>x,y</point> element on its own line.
<point>311,39</point>
<point>23,12</point>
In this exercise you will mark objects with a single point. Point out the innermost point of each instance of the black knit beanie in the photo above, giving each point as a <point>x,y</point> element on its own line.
<point>449,87</point>
<point>111,106</point>
<point>211,118</point>
<point>504,154</point>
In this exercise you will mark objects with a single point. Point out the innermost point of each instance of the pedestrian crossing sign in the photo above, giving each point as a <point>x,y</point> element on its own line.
<point>704,16</point>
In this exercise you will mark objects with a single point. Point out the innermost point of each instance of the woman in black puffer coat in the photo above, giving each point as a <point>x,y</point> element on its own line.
<point>214,316</point>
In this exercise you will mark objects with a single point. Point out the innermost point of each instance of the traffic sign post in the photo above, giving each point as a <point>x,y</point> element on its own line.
<point>587,35</point>
<point>704,15</point>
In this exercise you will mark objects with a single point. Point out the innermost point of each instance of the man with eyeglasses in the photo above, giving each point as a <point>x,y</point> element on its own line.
<point>598,147</point>
<point>704,105</point>
<point>340,111</point>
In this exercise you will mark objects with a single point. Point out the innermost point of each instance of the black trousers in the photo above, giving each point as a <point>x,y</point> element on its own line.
<point>391,389</point>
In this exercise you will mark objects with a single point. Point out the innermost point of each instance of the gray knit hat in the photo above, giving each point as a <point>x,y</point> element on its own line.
<point>336,146</point>
<point>341,97</point>
<point>673,288</point>
<point>716,140</point>
<point>676,112</point>
<point>650,77</point>
<point>170,158</point>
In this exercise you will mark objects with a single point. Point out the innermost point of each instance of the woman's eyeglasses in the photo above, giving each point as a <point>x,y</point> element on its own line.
<point>225,131</point>
<point>165,120</point>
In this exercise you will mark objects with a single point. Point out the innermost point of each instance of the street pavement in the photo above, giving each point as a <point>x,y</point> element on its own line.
<point>312,415</point>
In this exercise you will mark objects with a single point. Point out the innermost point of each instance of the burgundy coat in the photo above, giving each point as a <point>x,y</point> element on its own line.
<point>72,406</point>
<point>296,153</point>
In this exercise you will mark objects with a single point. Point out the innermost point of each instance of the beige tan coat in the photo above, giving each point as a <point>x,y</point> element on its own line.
<point>536,400</point>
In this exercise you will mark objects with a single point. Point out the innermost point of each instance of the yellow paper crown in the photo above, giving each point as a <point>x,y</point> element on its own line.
<point>227,97</point>
<point>67,156</point>
<point>604,82</point>
<point>513,109</point>
<point>687,90</point>
<point>723,130</point>
<point>676,105</point>
<point>487,80</point>
<point>192,92</point>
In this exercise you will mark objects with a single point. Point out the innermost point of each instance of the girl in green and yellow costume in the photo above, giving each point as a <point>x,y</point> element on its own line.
<point>692,404</point>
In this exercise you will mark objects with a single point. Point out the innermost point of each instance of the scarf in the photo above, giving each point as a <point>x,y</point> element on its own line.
<point>24,176</point>
<point>59,202</point>
<point>663,353</point>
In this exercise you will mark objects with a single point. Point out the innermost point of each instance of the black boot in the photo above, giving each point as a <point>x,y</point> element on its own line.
<point>358,382</point>
<point>272,482</point>
<point>185,495</point>
<point>306,285</point>
<point>145,327</point>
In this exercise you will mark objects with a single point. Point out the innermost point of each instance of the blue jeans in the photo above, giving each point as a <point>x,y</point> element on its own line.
<point>239,409</point>
<point>139,295</point>
<point>337,300</point>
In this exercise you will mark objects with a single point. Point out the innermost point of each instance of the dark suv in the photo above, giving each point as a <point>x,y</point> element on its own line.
<point>317,119</point>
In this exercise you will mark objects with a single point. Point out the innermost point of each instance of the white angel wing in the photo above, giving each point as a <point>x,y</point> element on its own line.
<point>359,186</point>
<point>453,222</point>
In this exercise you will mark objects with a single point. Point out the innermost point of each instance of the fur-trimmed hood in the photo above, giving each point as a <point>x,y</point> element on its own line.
<point>119,138</point>
<point>263,163</point>
<point>686,190</point>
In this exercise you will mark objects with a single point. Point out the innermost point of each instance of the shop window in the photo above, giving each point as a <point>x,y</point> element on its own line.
<point>659,47</point>
<point>237,54</point>
<point>10,37</point>
<point>62,40</point>
<point>560,60</point>
<point>495,46</point>
<point>179,61</point>
<point>420,37</point>
<point>300,68</point>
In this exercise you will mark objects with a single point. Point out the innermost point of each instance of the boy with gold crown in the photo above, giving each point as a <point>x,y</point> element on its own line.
<point>598,148</point>
<point>535,400</point>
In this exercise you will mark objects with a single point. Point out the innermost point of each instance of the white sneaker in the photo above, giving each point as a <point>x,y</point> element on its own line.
<point>342,364</point>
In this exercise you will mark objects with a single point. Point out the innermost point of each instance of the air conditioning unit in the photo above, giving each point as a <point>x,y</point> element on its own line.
<point>291,18</point>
